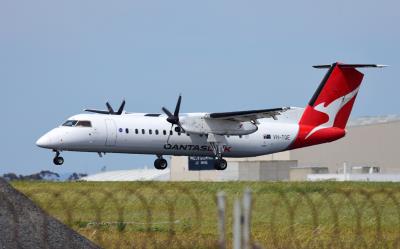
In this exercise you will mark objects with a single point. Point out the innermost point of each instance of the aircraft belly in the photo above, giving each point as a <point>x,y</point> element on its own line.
<point>181,146</point>
<point>194,145</point>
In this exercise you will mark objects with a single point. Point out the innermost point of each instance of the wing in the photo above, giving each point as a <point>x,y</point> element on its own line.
<point>248,115</point>
<point>97,111</point>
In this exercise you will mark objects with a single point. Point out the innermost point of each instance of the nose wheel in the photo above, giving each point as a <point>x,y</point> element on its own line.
<point>160,163</point>
<point>58,160</point>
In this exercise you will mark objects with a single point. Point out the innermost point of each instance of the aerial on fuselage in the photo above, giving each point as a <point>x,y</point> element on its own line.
<point>218,135</point>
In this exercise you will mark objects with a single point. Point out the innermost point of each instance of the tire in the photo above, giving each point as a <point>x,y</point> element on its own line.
<point>220,164</point>
<point>163,164</point>
<point>157,163</point>
<point>160,163</point>
<point>58,160</point>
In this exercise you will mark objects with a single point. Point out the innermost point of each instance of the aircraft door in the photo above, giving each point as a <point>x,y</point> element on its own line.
<point>111,132</point>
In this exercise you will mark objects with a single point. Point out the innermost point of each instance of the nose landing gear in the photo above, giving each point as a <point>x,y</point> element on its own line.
<point>160,163</point>
<point>58,160</point>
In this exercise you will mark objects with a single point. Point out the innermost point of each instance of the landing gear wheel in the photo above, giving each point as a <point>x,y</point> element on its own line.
<point>58,160</point>
<point>160,163</point>
<point>220,164</point>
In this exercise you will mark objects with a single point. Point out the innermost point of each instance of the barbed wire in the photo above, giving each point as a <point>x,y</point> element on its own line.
<point>176,216</point>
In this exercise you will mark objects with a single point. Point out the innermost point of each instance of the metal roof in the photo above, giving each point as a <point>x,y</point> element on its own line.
<point>370,120</point>
<point>130,175</point>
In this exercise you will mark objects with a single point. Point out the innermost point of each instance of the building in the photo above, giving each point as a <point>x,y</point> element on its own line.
<point>130,175</point>
<point>369,142</point>
<point>185,169</point>
<point>370,146</point>
<point>301,173</point>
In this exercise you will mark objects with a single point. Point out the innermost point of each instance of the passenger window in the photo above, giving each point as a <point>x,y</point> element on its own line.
<point>164,132</point>
<point>143,131</point>
<point>136,131</point>
<point>170,133</point>
<point>127,130</point>
<point>70,123</point>
<point>150,132</point>
<point>156,132</point>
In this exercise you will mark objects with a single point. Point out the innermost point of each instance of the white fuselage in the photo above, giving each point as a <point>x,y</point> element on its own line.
<point>140,134</point>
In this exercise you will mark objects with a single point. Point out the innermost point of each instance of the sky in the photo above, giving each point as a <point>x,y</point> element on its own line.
<point>59,57</point>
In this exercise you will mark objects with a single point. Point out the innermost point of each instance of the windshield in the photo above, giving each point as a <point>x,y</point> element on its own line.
<point>70,123</point>
<point>77,123</point>
<point>84,123</point>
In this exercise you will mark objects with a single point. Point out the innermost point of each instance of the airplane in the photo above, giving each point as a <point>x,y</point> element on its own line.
<point>219,135</point>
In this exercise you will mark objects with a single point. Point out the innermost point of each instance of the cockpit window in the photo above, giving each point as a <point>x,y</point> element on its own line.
<point>70,123</point>
<point>84,123</point>
<point>77,123</point>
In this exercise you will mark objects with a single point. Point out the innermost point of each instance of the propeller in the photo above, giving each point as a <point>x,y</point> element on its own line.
<point>173,119</point>
<point>110,110</point>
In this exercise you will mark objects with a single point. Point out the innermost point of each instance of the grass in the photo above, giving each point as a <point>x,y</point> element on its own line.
<point>184,214</point>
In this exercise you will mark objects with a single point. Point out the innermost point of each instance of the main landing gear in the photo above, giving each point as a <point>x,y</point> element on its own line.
<point>58,160</point>
<point>216,143</point>
<point>220,164</point>
<point>160,163</point>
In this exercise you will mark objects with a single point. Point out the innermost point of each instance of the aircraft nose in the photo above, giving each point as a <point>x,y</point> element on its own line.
<point>44,141</point>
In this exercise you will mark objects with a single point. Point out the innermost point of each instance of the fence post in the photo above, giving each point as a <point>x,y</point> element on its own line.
<point>221,203</point>
<point>246,218</point>
<point>237,220</point>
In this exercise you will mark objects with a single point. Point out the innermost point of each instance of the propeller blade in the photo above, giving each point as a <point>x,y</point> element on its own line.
<point>180,126</point>
<point>166,111</point>
<point>110,109</point>
<point>178,106</point>
<point>121,108</point>
<point>174,118</point>
<point>169,134</point>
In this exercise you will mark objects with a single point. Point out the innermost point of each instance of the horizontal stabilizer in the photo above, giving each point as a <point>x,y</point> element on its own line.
<point>351,65</point>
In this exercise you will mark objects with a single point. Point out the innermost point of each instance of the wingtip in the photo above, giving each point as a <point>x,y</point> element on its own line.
<point>381,65</point>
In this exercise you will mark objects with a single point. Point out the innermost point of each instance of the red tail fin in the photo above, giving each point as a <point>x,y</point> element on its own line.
<point>328,111</point>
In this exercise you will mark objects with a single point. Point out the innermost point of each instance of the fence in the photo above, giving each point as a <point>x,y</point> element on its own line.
<point>189,215</point>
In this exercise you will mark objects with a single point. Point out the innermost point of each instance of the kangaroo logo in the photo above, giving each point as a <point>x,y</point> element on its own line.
<point>331,110</point>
